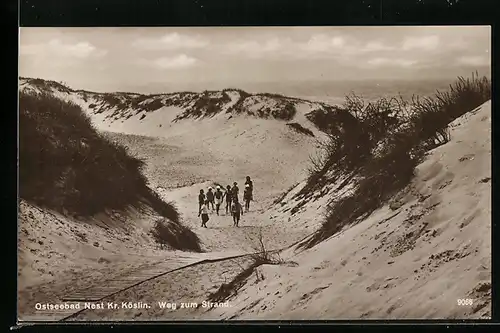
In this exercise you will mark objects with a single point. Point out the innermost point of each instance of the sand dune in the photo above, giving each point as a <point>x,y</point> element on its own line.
<point>413,262</point>
<point>410,260</point>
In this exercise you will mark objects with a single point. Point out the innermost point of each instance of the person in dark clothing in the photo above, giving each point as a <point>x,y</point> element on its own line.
<point>229,198</point>
<point>219,197</point>
<point>201,199</point>
<point>236,211</point>
<point>247,197</point>
<point>235,191</point>
<point>210,198</point>
<point>250,183</point>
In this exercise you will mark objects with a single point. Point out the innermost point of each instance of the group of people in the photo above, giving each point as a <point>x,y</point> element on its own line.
<point>212,200</point>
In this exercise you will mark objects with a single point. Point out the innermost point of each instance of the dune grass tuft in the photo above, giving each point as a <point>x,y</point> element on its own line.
<point>66,165</point>
<point>380,144</point>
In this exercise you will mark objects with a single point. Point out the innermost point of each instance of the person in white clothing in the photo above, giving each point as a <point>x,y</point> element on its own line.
<point>204,214</point>
<point>219,197</point>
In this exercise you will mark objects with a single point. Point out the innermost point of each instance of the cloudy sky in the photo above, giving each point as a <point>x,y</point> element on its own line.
<point>135,59</point>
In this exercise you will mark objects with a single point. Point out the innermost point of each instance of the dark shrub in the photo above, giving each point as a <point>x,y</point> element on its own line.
<point>301,129</point>
<point>175,235</point>
<point>382,147</point>
<point>154,105</point>
<point>65,165</point>
<point>286,111</point>
<point>205,106</point>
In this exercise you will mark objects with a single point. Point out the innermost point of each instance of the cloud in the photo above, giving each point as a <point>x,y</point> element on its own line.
<point>422,43</point>
<point>474,61</point>
<point>286,47</point>
<point>398,62</point>
<point>178,62</point>
<point>255,49</point>
<point>171,41</point>
<point>318,46</point>
<point>323,43</point>
<point>375,46</point>
<point>57,48</point>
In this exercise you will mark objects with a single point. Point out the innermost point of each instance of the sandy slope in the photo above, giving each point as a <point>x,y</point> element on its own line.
<point>196,154</point>
<point>412,262</point>
<point>223,150</point>
<point>416,264</point>
<point>58,254</point>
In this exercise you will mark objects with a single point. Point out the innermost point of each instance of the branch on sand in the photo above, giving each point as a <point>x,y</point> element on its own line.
<point>262,256</point>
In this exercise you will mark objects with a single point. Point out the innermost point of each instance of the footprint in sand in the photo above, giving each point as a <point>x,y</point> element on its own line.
<point>308,296</point>
<point>485,180</point>
<point>443,181</point>
<point>385,283</point>
<point>467,157</point>
<point>470,218</point>
<point>322,265</point>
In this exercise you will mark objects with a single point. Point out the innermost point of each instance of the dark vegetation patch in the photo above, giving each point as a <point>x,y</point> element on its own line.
<point>377,146</point>
<point>136,103</point>
<point>346,137</point>
<point>66,165</point>
<point>47,85</point>
<point>238,106</point>
<point>206,105</point>
<point>324,118</point>
<point>285,109</point>
<point>175,235</point>
<point>301,129</point>
<point>282,97</point>
<point>195,105</point>
<point>284,194</point>
<point>154,105</point>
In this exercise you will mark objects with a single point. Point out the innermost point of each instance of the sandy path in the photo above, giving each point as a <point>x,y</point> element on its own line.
<point>190,285</point>
<point>222,236</point>
<point>117,257</point>
<point>221,239</point>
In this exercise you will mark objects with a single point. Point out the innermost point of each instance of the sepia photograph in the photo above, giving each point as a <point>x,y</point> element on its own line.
<point>254,173</point>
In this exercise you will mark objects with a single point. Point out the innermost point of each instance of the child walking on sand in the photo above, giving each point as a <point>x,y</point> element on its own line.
<point>201,199</point>
<point>235,191</point>
<point>247,197</point>
<point>229,199</point>
<point>237,211</point>
<point>204,214</point>
<point>210,198</point>
<point>219,197</point>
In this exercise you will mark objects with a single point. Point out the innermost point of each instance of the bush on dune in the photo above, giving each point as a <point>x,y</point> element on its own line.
<point>382,147</point>
<point>206,105</point>
<point>286,111</point>
<point>47,85</point>
<point>301,129</point>
<point>167,233</point>
<point>65,165</point>
<point>345,149</point>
